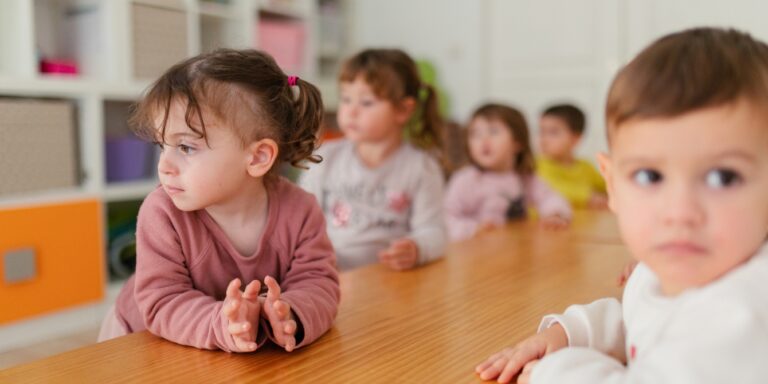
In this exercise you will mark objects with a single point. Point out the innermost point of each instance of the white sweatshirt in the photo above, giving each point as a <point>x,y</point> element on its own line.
<point>714,334</point>
<point>368,208</point>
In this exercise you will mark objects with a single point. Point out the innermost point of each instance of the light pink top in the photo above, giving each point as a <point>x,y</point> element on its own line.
<point>474,197</point>
<point>185,261</point>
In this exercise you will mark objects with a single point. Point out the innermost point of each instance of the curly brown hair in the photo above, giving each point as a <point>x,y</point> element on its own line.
<point>243,88</point>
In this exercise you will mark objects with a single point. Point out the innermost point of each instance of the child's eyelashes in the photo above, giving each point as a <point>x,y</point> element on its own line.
<point>364,102</point>
<point>722,178</point>
<point>646,177</point>
<point>185,149</point>
<point>717,178</point>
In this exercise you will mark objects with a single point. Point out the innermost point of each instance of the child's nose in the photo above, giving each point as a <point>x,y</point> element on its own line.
<point>682,207</point>
<point>165,164</point>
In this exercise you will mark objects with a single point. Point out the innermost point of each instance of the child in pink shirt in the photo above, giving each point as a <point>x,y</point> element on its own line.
<point>500,184</point>
<point>223,218</point>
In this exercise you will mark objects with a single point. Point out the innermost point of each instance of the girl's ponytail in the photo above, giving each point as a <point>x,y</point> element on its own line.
<point>301,138</point>
<point>429,133</point>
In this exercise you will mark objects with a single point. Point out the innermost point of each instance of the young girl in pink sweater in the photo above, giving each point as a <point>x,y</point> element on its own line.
<point>500,184</point>
<point>223,218</point>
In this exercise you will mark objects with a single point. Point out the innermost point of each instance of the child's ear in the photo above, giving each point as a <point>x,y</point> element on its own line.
<point>516,147</point>
<point>577,137</point>
<point>261,155</point>
<point>404,109</point>
<point>604,160</point>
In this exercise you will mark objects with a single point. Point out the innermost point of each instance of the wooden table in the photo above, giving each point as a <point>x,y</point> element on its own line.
<point>433,324</point>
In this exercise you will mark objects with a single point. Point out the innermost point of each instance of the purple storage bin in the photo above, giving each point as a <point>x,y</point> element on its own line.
<point>127,159</point>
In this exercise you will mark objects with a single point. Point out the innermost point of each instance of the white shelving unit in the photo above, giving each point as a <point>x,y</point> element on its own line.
<point>116,63</point>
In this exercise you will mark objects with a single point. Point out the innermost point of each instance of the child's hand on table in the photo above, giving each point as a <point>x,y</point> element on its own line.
<point>402,254</point>
<point>279,315</point>
<point>554,222</point>
<point>241,311</point>
<point>486,227</point>
<point>521,358</point>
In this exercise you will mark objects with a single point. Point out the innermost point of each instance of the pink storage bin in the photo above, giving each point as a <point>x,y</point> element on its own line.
<point>58,66</point>
<point>284,40</point>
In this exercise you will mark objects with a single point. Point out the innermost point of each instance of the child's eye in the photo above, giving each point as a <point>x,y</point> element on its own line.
<point>345,100</point>
<point>646,177</point>
<point>721,178</point>
<point>366,103</point>
<point>186,149</point>
<point>494,130</point>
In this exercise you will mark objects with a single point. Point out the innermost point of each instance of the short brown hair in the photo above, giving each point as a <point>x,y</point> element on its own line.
<point>514,120</point>
<point>570,114</point>
<point>688,70</point>
<point>245,88</point>
<point>393,76</point>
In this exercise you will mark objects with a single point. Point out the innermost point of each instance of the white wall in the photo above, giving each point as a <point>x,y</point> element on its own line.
<point>535,60</point>
<point>651,19</point>
<point>531,53</point>
<point>447,32</point>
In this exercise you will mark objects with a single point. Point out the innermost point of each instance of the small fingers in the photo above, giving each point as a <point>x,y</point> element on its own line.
<point>244,345</point>
<point>393,263</point>
<point>290,343</point>
<point>529,367</point>
<point>231,308</point>
<point>238,328</point>
<point>233,289</point>
<point>252,290</point>
<point>487,363</point>
<point>492,371</point>
<point>391,259</point>
<point>282,309</point>
<point>273,289</point>
<point>402,261</point>
<point>289,327</point>
<point>525,375</point>
<point>510,369</point>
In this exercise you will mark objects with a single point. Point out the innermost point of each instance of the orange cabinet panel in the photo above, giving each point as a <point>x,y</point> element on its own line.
<point>63,247</point>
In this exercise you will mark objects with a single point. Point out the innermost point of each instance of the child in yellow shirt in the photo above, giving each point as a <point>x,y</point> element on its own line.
<point>560,130</point>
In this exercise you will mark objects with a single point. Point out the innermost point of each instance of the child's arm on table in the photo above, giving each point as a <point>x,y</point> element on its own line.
<point>460,226</point>
<point>428,237</point>
<point>554,211</point>
<point>308,291</point>
<point>598,326</point>
<point>165,294</point>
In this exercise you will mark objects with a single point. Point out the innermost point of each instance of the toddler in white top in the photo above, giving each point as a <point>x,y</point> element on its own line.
<point>687,177</point>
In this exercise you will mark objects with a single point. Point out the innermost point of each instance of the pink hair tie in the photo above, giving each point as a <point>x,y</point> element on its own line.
<point>292,80</point>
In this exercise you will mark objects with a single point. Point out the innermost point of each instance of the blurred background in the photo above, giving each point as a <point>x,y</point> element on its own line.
<point>72,175</point>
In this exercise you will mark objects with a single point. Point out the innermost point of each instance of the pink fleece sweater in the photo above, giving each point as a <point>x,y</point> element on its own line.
<point>185,261</point>
<point>474,197</point>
